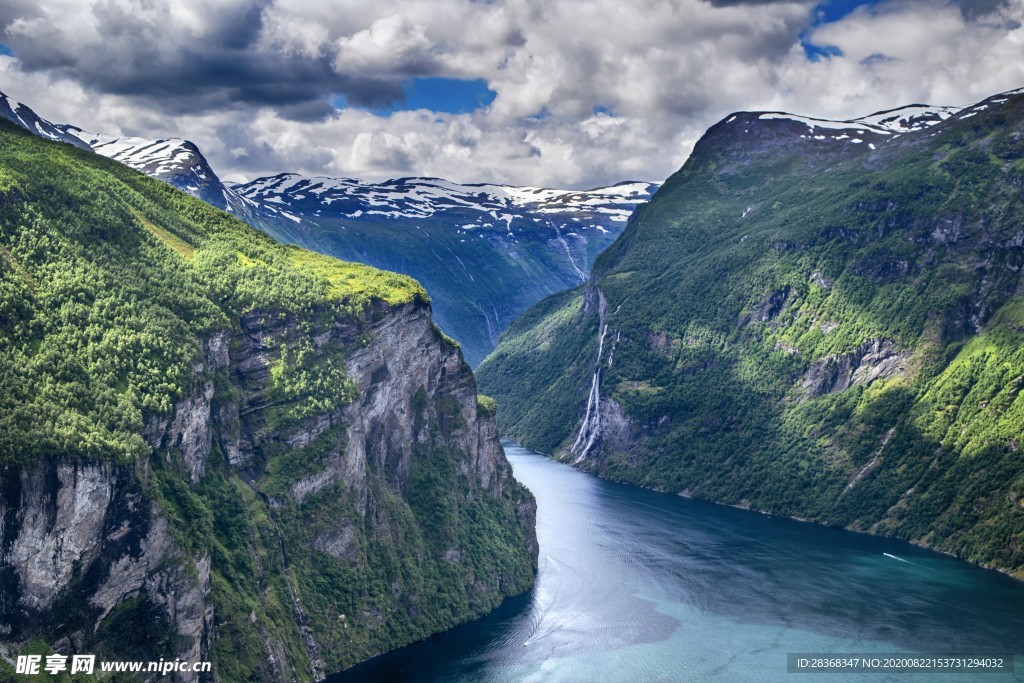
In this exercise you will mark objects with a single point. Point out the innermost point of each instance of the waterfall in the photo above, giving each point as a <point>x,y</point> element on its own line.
<point>568,252</point>
<point>590,428</point>
<point>611,353</point>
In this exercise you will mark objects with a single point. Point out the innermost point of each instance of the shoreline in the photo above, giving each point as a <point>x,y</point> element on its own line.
<point>686,494</point>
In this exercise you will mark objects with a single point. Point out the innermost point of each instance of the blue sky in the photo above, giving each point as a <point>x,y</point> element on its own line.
<point>825,13</point>
<point>437,94</point>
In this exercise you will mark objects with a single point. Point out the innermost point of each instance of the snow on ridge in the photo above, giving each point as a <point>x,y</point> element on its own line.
<point>825,124</point>
<point>625,189</point>
<point>173,159</point>
<point>911,118</point>
<point>14,105</point>
<point>907,119</point>
<point>421,197</point>
<point>165,155</point>
<point>22,115</point>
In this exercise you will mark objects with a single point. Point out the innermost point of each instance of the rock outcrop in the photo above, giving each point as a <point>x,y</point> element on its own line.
<point>874,359</point>
<point>85,536</point>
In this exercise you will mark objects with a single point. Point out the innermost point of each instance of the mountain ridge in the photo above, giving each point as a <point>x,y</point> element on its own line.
<point>804,325</point>
<point>530,241</point>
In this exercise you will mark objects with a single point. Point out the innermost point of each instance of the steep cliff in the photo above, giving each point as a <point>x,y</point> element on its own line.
<point>214,447</point>
<point>815,318</point>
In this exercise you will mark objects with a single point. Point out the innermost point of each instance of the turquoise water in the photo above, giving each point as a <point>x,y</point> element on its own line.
<point>640,586</point>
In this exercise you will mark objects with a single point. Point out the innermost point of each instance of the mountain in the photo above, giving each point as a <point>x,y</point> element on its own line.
<point>484,252</point>
<point>175,161</point>
<point>21,115</point>
<point>812,318</point>
<point>214,447</point>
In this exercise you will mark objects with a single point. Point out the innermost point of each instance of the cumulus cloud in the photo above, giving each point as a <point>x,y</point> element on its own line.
<point>586,93</point>
<point>904,52</point>
<point>391,45</point>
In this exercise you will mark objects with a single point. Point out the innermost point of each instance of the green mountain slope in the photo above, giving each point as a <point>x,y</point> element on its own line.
<point>485,253</point>
<point>808,325</point>
<point>481,283</point>
<point>216,447</point>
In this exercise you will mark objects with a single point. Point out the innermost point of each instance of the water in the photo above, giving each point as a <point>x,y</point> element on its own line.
<point>640,586</point>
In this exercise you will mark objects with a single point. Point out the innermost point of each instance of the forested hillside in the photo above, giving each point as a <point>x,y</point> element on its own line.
<point>216,447</point>
<point>818,319</point>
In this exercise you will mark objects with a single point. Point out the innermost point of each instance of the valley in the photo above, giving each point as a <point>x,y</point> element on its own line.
<point>484,252</point>
<point>282,462</point>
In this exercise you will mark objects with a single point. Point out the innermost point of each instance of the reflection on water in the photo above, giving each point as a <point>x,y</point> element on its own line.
<point>639,586</point>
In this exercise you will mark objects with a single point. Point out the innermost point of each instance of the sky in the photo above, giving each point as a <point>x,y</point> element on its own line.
<point>555,93</point>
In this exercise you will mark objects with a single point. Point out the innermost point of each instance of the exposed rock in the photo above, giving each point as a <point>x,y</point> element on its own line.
<point>190,431</point>
<point>341,544</point>
<point>618,432</point>
<point>948,229</point>
<point>883,266</point>
<point>874,359</point>
<point>772,305</point>
<point>92,531</point>
<point>70,527</point>
<point>788,348</point>
<point>662,341</point>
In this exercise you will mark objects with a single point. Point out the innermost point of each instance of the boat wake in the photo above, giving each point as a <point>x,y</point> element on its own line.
<point>900,559</point>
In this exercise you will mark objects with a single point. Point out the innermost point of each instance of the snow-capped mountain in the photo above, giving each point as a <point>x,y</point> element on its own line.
<point>484,252</point>
<point>488,206</point>
<point>825,136</point>
<point>907,119</point>
<point>21,115</point>
<point>878,128</point>
<point>173,160</point>
<point>885,123</point>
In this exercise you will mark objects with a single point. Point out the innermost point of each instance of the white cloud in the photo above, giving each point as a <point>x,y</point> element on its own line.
<point>923,51</point>
<point>390,45</point>
<point>249,82</point>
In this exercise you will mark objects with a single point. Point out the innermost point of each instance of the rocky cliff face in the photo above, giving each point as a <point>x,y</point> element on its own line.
<point>83,540</point>
<point>214,447</point>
